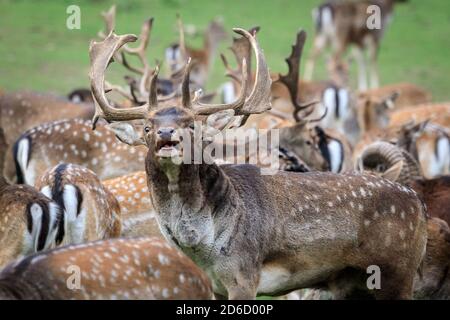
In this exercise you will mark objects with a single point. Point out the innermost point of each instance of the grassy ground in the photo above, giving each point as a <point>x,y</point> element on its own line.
<point>37,51</point>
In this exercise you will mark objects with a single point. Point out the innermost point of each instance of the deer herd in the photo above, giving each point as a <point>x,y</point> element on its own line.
<point>98,182</point>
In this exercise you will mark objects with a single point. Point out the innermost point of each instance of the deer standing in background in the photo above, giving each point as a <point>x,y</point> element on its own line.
<point>265,234</point>
<point>342,24</point>
<point>202,59</point>
<point>91,212</point>
<point>119,269</point>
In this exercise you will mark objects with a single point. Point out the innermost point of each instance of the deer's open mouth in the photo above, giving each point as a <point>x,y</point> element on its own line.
<point>167,149</point>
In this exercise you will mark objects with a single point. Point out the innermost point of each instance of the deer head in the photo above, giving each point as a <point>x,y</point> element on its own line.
<point>165,125</point>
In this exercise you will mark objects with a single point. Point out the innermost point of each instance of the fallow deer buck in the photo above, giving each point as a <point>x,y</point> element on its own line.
<point>138,214</point>
<point>342,24</point>
<point>73,141</point>
<point>264,234</point>
<point>91,212</point>
<point>28,221</point>
<point>325,151</point>
<point>290,95</point>
<point>144,268</point>
<point>23,110</point>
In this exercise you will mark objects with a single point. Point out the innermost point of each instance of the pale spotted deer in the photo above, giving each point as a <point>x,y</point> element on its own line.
<point>342,24</point>
<point>438,113</point>
<point>144,268</point>
<point>375,106</point>
<point>23,110</point>
<point>138,214</point>
<point>427,142</point>
<point>73,141</point>
<point>265,234</point>
<point>29,221</point>
<point>91,212</point>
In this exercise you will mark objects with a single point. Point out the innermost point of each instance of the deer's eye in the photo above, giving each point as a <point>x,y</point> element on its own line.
<point>192,126</point>
<point>308,142</point>
<point>147,129</point>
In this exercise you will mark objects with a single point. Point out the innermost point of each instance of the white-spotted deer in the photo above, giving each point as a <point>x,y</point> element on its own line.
<point>23,110</point>
<point>138,214</point>
<point>341,24</point>
<point>29,221</point>
<point>91,212</point>
<point>144,268</point>
<point>264,234</point>
<point>73,141</point>
<point>438,113</point>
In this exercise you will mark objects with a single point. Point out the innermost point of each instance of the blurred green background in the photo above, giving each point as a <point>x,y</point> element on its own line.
<point>38,52</point>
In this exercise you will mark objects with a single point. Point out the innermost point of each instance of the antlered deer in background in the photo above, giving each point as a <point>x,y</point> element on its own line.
<point>143,268</point>
<point>265,234</point>
<point>341,24</point>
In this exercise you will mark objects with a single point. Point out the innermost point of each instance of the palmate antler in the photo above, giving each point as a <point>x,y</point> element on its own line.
<point>290,80</point>
<point>101,54</point>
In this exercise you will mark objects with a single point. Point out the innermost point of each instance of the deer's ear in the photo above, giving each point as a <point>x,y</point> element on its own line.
<point>126,133</point>
<point>389,102</point>
<point>393,172</point>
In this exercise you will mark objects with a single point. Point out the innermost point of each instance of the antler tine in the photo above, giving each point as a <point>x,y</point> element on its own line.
<point>181,43</point>
<point>320,118</point>
<point>110,21</point>
<point>101,54</point>
<point>290,80</point>
<point>241,49</point>
<point>185,90</point>
<point>118,89</point>
<point>230,72</point>
<point>140,50</point>
<point>259,99</point>
<point>304,107</point>
<point>153,95</point>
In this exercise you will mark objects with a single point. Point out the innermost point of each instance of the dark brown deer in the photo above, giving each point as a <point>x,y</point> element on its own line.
<point>264,234</point>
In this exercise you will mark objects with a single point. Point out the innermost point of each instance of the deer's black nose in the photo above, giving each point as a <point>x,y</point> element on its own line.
<point>165,133</point>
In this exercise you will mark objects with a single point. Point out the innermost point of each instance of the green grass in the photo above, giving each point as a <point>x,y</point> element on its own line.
<point>38,52</point>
